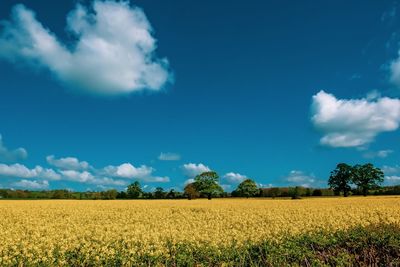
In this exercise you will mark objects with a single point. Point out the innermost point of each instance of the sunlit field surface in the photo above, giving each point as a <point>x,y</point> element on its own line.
<point>52,232</point>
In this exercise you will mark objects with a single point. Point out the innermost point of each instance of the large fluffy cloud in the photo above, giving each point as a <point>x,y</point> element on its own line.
<point>11,155</point>
<point>353,122</point>
<point>112,51</point>
<point>191,169</point>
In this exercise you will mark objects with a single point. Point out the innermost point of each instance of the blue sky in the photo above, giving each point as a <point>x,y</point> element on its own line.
<point>95,95</point>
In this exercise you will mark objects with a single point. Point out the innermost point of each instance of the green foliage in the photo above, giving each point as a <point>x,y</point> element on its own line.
<point>297,192</point>
<point>134,190</point>
<point>317,193</point>
<point>159,193</point>
<point>367,177</point>
<point>341,178</point>
<point>207,184</point>
<point>247,188</point>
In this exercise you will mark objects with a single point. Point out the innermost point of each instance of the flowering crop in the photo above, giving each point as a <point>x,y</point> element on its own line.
<point>58,232</point>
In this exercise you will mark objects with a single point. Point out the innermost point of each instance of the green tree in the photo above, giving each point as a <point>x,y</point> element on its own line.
<point>207,184</point>
<point>109,194</point>
<point>367,177</point>
<point>340,178</point>
<point>247,188</point>
<point>159,193</point>
<point>191,192</point>
<point>134,190</point>
<point>172,194</point>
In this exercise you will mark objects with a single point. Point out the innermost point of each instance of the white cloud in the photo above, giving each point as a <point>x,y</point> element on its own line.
<point>391,169</point>
<point>353,122</point>
<point>192,169</point>
<point>112,50</point>
<point>299,178</point>
<point>169,156</point>
<point>392,180</point>
<point>232,177</point>
<point>11,155</point>
<point>189,181</point>
<point>378,154</point>
<point>89,178</point>
<point>67,163</point>
<point>21,171</point>
<point>226,187</point>
<point>129,171</point>
<point>33,185</point>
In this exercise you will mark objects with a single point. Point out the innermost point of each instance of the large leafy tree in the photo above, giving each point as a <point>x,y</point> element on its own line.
<point>134,190</point>
<point>247,188</point>
<point>207,184</point>
<point>367,177</point>
<point>340,178</point>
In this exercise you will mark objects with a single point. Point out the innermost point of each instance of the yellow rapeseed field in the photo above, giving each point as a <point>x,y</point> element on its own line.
<point>37,231</point>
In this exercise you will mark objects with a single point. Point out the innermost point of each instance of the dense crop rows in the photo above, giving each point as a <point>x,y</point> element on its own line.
<point>93,232</point>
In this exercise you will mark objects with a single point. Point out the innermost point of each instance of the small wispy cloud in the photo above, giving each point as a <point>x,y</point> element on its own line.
<point>300,178</point>
<point>169,156</point>
<point>378,154</point>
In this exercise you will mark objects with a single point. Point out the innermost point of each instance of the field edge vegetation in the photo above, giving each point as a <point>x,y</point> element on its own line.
<point>373,245</point>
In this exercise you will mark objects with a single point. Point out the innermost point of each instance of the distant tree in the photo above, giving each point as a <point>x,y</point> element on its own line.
<point>172,194</point>
<point>247,188</point>
<point>308,192</point>
<point>134,190</point>
<point>367,177</point>
<point>207,184</point>
<point>296,192</point>
<point>317,193</point>
<point>159,193</point>
<point>191,192</point>
<point>274,192</point>
<point>340,178</point>
<point>121,195</point>
<point>109,194</point>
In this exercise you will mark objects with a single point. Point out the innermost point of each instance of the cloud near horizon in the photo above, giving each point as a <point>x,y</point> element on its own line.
<point>190,170</point>
<point>7,155</point>
<point>234,178</point>
<point>300,178</point>
<point>32,185</point>
<point>353,122</point>
<point>114,51</point>
<point>73,170</point>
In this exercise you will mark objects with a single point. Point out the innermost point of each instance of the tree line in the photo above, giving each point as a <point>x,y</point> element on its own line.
<point>344,180</point>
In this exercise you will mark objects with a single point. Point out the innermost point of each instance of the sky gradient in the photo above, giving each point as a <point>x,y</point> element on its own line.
<point>276,91</point>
